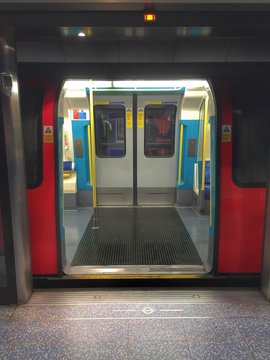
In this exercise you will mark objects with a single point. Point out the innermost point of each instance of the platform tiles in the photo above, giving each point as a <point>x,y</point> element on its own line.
<point>137,324</point>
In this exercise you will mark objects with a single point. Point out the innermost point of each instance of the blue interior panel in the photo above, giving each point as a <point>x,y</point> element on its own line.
<point>81,159</point>
<point>191,131</point>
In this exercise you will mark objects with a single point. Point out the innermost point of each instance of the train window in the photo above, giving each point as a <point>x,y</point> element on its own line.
<point>110,131</point>
<point>159,130</point>
<point>31,110</point>
<point>251,133</point>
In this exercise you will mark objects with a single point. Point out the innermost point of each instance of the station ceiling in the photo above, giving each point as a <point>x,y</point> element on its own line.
<point>190,33</point>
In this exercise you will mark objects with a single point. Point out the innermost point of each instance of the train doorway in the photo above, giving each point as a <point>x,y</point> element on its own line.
<point>154,170</point>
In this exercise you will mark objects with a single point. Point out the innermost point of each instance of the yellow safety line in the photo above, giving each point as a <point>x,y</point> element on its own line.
<point>141,276</point>
<point>91,135</point>
<point>204,141</point>
<point>180,154</point>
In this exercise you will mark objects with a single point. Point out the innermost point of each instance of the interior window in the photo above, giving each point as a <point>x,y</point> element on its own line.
<point>110,130</point>
<point>159,130</point>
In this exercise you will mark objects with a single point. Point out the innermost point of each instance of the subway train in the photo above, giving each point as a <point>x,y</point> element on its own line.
<point>133,150</point>
<point>145,179</point>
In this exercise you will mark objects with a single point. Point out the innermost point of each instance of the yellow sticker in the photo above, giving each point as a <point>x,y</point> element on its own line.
<point>140,119</point>
<point>226,133</point>
<point>153,102</point>
<point>101,102</point>
<point>48,134</point>
<point>129,118</point>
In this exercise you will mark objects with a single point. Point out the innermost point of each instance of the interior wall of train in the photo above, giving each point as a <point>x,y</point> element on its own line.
<point>152,153</point>
<point>170,164</point>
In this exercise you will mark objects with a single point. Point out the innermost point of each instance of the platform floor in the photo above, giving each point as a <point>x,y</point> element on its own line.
<point>145,324</point>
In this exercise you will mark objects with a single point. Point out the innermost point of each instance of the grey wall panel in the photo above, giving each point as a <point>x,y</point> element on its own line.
<point>39,51</point>
<point>250,50</point>
<point>146,51</point>
<point>92,51</point>
<point>199,50</point>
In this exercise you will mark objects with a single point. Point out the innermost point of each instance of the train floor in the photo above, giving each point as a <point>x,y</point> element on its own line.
<point>138,324</point>
<point>157,237</point>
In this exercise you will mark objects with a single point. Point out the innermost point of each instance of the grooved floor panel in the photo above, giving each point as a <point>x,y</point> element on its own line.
<point>136,236</point>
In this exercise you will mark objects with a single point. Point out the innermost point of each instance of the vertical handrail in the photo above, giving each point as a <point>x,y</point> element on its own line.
<point>92,154</point>
<point>211,180</point>
<point>180,155</point>
<point>205,120</point>
<point>89,152</point>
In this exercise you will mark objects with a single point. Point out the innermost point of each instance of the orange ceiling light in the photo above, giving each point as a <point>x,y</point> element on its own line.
<point>150,17</point>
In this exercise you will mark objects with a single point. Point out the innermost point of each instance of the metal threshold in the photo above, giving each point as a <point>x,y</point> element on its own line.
<point>131,271</point>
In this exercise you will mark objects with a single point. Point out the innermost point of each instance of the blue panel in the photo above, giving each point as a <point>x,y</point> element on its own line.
<point>207,180</point>
<point>60,121</point>
<point>81,160</point>
<point>191,131</point>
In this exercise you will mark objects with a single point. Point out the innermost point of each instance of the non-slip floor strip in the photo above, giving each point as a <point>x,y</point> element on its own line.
<point>136,236</point>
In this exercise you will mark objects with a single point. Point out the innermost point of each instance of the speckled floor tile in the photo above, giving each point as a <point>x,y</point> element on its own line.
<point>156,329</point>
<point>260,348</point>
<point>102,331</point>
<point>254,329</point>
<point>158,350</point>
<point>214,329</point>
<point>7,311</point>
<point>262,310</point>
<point>3,343</point>
<point>77,339</point>
<point>228,349</point>
<point>219,310</point>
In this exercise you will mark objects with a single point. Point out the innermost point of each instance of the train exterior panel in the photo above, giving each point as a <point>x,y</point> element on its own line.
<point>241,211</point>
<point>41,200</point>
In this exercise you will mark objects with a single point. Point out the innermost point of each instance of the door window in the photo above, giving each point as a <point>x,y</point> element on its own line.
<point>159,130</point>
<point>110,131</point>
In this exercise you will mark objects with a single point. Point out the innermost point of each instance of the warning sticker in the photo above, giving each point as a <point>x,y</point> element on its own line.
<point>48,134</point>
<point>140,119</point>
<point>226,133</point>
<point>129,118</point>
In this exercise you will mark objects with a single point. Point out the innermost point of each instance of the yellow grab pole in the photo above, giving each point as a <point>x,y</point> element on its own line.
<point>89,152</point>
<point>205,120</point>
<point>180,155</point>
<point>211,174</point>
<point>92,153</point>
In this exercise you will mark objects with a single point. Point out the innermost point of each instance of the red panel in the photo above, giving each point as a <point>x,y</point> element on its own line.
<point>41,201</point>
<point>241,214</point>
